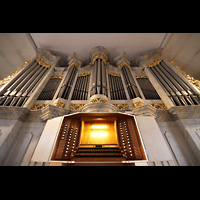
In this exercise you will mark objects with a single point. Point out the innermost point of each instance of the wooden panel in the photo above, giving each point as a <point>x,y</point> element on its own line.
<point>67,140</point>
<point>129,139</point>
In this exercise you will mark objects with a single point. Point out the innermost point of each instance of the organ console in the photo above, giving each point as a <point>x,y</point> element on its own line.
<point>98,137</point>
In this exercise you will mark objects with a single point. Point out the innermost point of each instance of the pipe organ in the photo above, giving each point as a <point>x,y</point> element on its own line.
<point>67,85</point>
<point>116,86</point>
<point>97,107</point>
<point>130,84</point>
<point>99,79</point>
<point>180,93</point>
<point>23,86</point>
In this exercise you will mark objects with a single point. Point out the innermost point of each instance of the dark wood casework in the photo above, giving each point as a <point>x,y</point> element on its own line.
<point>116,138</point>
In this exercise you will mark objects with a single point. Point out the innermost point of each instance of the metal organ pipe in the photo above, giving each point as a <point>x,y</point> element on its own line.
<point>66,87</point>
<point>131,87</point>
<point>177,86</point>
<point>94,79</point>
<point>20,79</point>
<point>65,82</point>
<point>20,90</point>
<point>192,94</point>
<point>31,86</point>
<point>174,91</point>
<point>180,92</point>
<point>99,78</point>
<point>104,85</point>
<point>166,88</point>
<point>99,82</point>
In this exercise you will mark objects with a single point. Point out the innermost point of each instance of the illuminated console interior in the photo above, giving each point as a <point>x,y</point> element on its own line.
<point>98,137</point>
<point>98,132</point>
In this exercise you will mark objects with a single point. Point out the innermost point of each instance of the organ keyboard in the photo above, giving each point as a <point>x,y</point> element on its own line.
<point>69,148</point>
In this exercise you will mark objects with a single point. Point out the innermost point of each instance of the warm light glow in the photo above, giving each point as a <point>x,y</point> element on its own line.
<point>99,134</point>
<point>98,126</point>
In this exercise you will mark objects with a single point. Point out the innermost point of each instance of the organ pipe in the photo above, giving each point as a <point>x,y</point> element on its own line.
<point>23,85</point>
<point>178,91</point>
<point>99,81</point>
<point>130,84</point>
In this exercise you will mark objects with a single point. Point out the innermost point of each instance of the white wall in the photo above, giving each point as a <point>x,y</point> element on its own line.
<point>14,49</point>
<point>184,49</point>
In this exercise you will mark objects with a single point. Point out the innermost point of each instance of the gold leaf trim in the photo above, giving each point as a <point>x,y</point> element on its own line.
<point>113,73</point>
<point>43,63</point>
<point>59,104</point>
<point>121,106</point>
<point>75,64</point>
<point>75,106</point>
<point>137,104</point>
<point>84,74</point>
<point>155,62</point>
<point>56,76</point>
<point>141,76</point>
<point>124,63</point>
<point>99,56</point>
<point>38,106</point>
<point>99,100</point>
<point>161,106</point>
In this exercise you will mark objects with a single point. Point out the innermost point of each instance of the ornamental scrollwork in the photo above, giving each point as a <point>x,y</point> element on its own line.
<point>155,62</point>
<point>59,104</point>
<point>75,106</point>
<point>84,74</point>
<point>43,63</point>
<point>56,76</point>
<point>121,106</point>
<point>161,106</point>
<point>141,76</point>
<point>99,100</point>
<point>113,73</point>
<point>124,64</point>
<point>137,104</point>
<point>38,106</point>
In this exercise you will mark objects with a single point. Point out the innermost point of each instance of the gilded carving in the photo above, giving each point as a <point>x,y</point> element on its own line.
<point>84,74</point>
<point>99,56</point>
<point>141,76</point>
<point>38,106</point>
<point>150,56</point>
<point>113,73</point>
<point>99,52</point>
<point>122,64</point>
<point>75,106</point>
<point>121,106</point>
<point>43,63</point>
<point>99,100</point>
<point>190,78</point>
<point>155,62</point>
<point>8,78</point>
<point>161,106</point>
<point>59,104</point>
<point>56,76</point>
<point>75,64</point>
<point>137,104</point>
